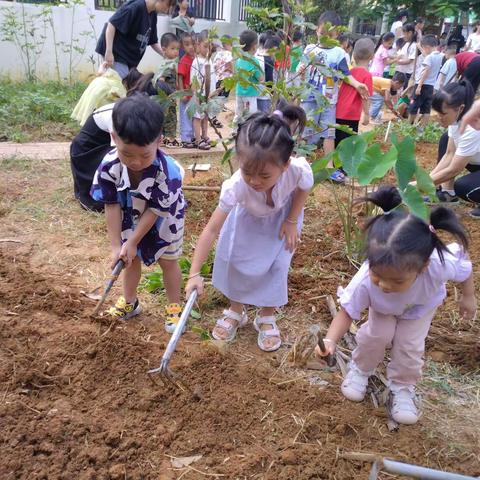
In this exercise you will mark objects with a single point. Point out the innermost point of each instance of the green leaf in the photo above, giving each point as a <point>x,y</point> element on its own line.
<point>413,199</point>
<point>195,314</point>
<point>351,152</point>
<point>425,183</point>
<point>405,166</point>
<point>376,164</point>
<point>227,156</point>
<point>206,269</point>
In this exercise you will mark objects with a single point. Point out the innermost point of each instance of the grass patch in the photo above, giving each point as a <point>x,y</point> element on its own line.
<point>37,111</point>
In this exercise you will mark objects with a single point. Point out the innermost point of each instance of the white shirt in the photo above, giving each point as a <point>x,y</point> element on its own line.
<point>449,69</point>
<point>395,26</point>
<point>473,41</point>
<point>468,144</point>
<point>235,191</point>
<point>408,51</point>
<point>433,61</point>
<point>197,71</point>
<point>103,119</point>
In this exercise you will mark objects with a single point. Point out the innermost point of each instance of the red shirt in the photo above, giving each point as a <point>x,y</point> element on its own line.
<point>349,104</point>
<point>184,67</point>
<point>464,59</point>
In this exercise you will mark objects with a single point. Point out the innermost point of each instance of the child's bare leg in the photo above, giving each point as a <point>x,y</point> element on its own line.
<point>221,332</point>
<point>424,120</point>
<point>172,279</point>
<point>204,127</point>
<point>269,342</point>
<point>411,118</point>
<point>197,129</point>
<point>131,279</point>
<point>328,145</point>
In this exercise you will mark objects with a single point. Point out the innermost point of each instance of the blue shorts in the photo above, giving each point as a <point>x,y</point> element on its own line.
<point>325,120</point>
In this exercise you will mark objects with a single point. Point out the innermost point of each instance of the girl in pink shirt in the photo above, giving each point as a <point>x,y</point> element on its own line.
<point>401,283</point>
<point>384,55</point>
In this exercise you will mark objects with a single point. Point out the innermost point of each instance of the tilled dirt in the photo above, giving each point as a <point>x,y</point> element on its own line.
<point>79,404</point>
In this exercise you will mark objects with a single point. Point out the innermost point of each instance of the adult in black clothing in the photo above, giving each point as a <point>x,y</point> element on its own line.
<point>457,38</point>
<point>129,31</point>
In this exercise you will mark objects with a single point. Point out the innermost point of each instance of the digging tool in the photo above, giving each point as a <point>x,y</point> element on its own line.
<point>164,369</point>
<point>115,273</point>
<point>330,359</point>
<point>413,471</point>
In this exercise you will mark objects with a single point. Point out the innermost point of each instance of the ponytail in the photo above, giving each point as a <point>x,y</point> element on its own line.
<point>143,85</point>
<point>384,38</point>
<point>293,114</point>
<point>454,95</point>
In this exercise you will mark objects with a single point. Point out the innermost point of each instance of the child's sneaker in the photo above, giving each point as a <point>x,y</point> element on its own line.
<point>354,387</point>
<point>404,409</point>
<point>446,197</point>
<point>123,310</point>
<point>173,312</point>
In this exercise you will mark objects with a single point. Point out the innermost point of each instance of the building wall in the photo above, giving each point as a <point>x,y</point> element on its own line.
<point>87,26</point>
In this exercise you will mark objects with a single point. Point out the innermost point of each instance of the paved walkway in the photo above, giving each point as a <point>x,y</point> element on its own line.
<point>60,151</point>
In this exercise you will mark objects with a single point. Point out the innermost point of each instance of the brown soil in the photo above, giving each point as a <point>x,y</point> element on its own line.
<point>76,401</point>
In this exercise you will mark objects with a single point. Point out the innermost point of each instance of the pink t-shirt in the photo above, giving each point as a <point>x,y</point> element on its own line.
<point>426,293</point>
<point>378,62</point>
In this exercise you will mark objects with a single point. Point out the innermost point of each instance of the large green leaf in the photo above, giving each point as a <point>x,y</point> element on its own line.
<point>351,152</point>
<point>406,165</point>
<point>424,182</point>
<point>376,164</point>
<point>413,199</point>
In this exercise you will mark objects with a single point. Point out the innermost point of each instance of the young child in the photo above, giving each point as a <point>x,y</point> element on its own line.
<point>405,62</point>
<point>384,54</point>
<point>402,283</point>
<point>267,64</point>
<point>347,45</point>
<point>423,93</point>
<point>223,65</point>
<point>448,69</point>
<point>333,58</point>
<point>295,56</point>
<point>144,205</point>
<point>167,73</point>
<point>129,31</point>
<point>184,70</point>
<point>199,76</point>
<point>259,219</point>
<point>350,104</point>
<point>249,67</point>
<point>385,92</point>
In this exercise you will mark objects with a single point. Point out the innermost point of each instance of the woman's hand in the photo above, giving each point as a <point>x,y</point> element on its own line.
<point>468,307</point>
<point>109,59</point>
<point>128,252</point>
<point>194,283</point>
<point>330,347</point>
<point>290,233</point>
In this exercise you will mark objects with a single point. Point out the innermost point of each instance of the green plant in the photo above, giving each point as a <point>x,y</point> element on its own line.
<point>365,163</point>
<point>431,133</point>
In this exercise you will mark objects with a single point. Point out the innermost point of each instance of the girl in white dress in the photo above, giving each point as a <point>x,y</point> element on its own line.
<point>259,219</point>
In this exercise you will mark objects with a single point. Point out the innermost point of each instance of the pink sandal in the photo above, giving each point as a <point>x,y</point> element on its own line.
<point>231,329</point>
<point>270,333</point>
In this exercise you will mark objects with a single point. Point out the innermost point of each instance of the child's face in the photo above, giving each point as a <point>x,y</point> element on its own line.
<point>189,46</point>
<point>388,44</point>
<point>396,85</point>
<point>135,157</point>
<point>449,115</point>
<point>392,280</point>
<point>322,30</point>
<point>265,179</point>
<point>202,48</point>
<point>162,6</point>
<point>172,50</point>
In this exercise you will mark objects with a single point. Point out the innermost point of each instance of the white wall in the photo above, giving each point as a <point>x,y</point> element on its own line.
<point>10,61</point>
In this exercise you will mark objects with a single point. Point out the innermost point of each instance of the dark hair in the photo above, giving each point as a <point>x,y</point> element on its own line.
<point>344,38</point>
<point>202,36</point>
<point>248,38</point>
<point>454,95</point>
<point>167,39</point>
<point>384,38</point>
<point>451,48</point>
<point>410,27</point>
<point>185,35</point>
<point>266,138</point>
<point>399,77</point>
<point>297,35</point>
<point>137,120</point>
<point>263,38</point>
<point>399,43</point>
<point>133,76</point>
<point>429,41</point>
<point>401,14</point>
<point>419,20</point>
<point>402,240</point>
<point>330,16</point>
<point>363,49</point>
<point>273,41</point>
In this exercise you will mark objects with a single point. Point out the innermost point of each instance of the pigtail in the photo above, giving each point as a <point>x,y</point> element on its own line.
<point>380,41</point>
<point>386,197</point>
<point>133,76</point>
<point>442,218</point>
<point>293,113</point>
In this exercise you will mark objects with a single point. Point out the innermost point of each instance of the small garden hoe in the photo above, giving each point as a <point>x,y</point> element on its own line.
<point>115,273</point>
<point>164,369</point>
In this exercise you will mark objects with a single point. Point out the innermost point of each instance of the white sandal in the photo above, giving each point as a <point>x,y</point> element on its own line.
<point>264,334</point>
<point>231,330</point>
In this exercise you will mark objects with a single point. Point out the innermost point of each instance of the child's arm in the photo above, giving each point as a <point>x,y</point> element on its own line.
<point>202,249</point>
<point>113,218</point>
<point>361,88</point>
<point>109,36</point>
<point>289,228</point>
<point>441,80</point>
<point>338,328</point>
<point>365,112</point>
<point>422,80</point>
<point>129,248</point>
<point>468,303</point>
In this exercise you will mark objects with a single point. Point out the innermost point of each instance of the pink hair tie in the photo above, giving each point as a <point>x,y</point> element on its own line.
<point>432,229</point>
<point>279,113</point>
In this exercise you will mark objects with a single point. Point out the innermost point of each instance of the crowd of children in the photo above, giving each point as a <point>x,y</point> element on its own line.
<point>260,211</point>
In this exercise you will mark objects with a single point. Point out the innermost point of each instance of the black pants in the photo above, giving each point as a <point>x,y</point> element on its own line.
<point>468,186</point>
<point>340,134</point>
<point>472,73</point>
<point>442,146</point>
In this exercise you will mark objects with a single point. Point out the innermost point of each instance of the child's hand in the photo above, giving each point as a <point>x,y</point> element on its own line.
<point>363,91</point>
<point>290,232</point>
<point>468,307</point>
<point>194,283</point>
<point>330,347</point>
<point>128,252</point>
